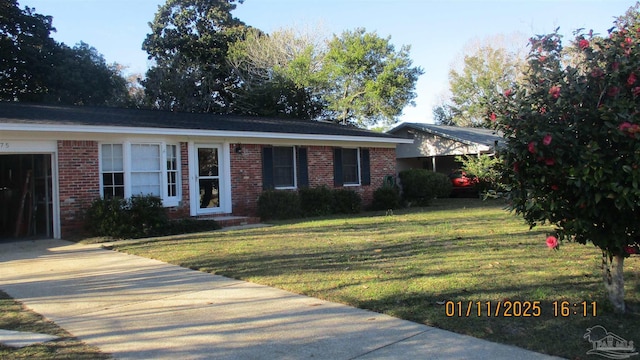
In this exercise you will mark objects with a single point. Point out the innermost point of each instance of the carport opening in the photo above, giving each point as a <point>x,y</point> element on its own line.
<point>26,205</point>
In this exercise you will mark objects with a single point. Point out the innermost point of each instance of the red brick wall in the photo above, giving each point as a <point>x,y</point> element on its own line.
<point>79,178</point>
<point>246,174</point>
<point>246,178</point>
<point>382,163</point>
<point>320,165</point>
<point>79,182</point>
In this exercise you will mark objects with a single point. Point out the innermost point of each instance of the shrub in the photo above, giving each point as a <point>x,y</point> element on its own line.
<point>278,205</point>
<point>316,201</point>
<point>346,201</point>
<point>137,217</point>
<point>185,226</point>
<point>386,197</point>
<point>420,186</point>
<point>146,216</point>
<point>106,217</point>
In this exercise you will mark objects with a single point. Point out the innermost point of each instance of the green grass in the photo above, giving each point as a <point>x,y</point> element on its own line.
<point>409,263</point>
<point>14,316</point>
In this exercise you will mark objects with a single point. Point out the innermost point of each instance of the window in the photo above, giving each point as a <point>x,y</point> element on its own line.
<point>351,167</point>
<point>350,173</point>
<point>112,171</point>
<point>284,167</point>
<point>140,169</point>
<point>145,169</point>
<point>172,171</point>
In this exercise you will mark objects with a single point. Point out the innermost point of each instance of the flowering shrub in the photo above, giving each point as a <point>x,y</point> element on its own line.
<point>573,142</point>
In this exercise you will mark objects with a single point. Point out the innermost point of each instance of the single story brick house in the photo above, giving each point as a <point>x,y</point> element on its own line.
<point>54,161</point>
<point>435,147</point>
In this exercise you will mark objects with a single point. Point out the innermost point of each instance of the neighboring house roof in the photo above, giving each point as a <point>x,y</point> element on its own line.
<point>20,116</point>
<point>466,135</point>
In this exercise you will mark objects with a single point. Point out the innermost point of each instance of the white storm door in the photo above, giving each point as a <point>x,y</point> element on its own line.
<point>209,179</point>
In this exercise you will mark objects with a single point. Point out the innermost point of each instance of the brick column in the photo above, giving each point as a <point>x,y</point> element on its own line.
<point>79,182</point>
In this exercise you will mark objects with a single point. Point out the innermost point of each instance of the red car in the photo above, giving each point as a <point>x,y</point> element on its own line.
<point>460,179</point>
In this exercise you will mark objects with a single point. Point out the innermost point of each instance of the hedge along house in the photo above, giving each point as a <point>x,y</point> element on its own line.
<point>54,161</point>
<point>435,147</point>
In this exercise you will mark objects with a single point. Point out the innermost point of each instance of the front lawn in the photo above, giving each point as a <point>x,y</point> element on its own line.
<point>423,265</point>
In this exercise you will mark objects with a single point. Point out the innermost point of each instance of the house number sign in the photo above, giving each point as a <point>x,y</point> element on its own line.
<point>4,145</point>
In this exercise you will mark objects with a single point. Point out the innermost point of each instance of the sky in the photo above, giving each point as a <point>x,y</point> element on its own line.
<point>438,31</point>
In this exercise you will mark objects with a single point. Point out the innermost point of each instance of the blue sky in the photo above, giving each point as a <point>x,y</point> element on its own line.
<point>436,30</point>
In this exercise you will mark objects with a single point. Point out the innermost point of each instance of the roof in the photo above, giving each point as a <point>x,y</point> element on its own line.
<point>466,135</point>
<point>20,116</point>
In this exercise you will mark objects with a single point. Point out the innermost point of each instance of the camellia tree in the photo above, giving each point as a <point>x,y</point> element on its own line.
<point>572,155</point>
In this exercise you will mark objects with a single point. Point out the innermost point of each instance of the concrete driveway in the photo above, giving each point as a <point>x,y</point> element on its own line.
<point>138,308</point>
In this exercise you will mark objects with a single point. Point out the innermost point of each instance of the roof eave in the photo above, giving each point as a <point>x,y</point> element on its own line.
<point>198,132</point>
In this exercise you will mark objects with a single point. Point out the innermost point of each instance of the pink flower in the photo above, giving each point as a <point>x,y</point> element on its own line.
<point>628,41</point>
<point>630,250</point>
<point>552,242</point>
<point>546,140</point>
<point>613,91</point>
<point>584,43</point>
<point>516,167</point>
<point>555,187</point>
<point>631,79</point>
<point>615,66</point>
<point>549,161</point>
<point>555,91</point>
<point>624,126</point>
<point>493,117</point>
<point>597,73</point>
<point>532,147</point>
<point>508,92</point>
<point>636,91</point>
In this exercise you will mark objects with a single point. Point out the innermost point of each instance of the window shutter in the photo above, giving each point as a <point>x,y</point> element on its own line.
<point>337,167</point>
<point>364,167</point>
<point>303,172</point>
<point>267,168</point>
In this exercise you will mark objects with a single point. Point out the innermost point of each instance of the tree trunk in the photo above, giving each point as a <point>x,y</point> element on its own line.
<point>612,271</point>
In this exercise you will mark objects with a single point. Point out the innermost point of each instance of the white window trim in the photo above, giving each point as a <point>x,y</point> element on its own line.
<point>359,166</point>
<point>167,201</point>
<point>295,167</point>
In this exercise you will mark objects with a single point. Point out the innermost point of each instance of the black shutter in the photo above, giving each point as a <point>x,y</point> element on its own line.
<point>267,168</point>
<point>364,167</point>
<point>303,172</point>
<point>337,167</point>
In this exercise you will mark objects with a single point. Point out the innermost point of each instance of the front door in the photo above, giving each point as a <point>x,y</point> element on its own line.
<point>208,178</point>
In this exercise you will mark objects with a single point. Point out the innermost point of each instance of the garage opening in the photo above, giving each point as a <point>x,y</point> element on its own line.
<point>26,205</point>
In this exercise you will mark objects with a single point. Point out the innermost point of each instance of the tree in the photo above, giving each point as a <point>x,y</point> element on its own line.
<point>486,168</point>
<point>81,76</point>
<point>279,72</point>
<point>26,51</point>
<point>370,82</point>
<point>573,143</point>
<point>489,67</point>
<point>188,42</point>
<point>485,73</point>
<point>443,115</point>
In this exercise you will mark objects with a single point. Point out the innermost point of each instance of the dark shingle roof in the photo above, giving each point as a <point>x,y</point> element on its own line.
<point>19,113</point>
<point>465,135</point>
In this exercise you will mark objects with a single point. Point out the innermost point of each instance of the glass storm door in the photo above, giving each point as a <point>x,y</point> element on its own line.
<point>208,178</point>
